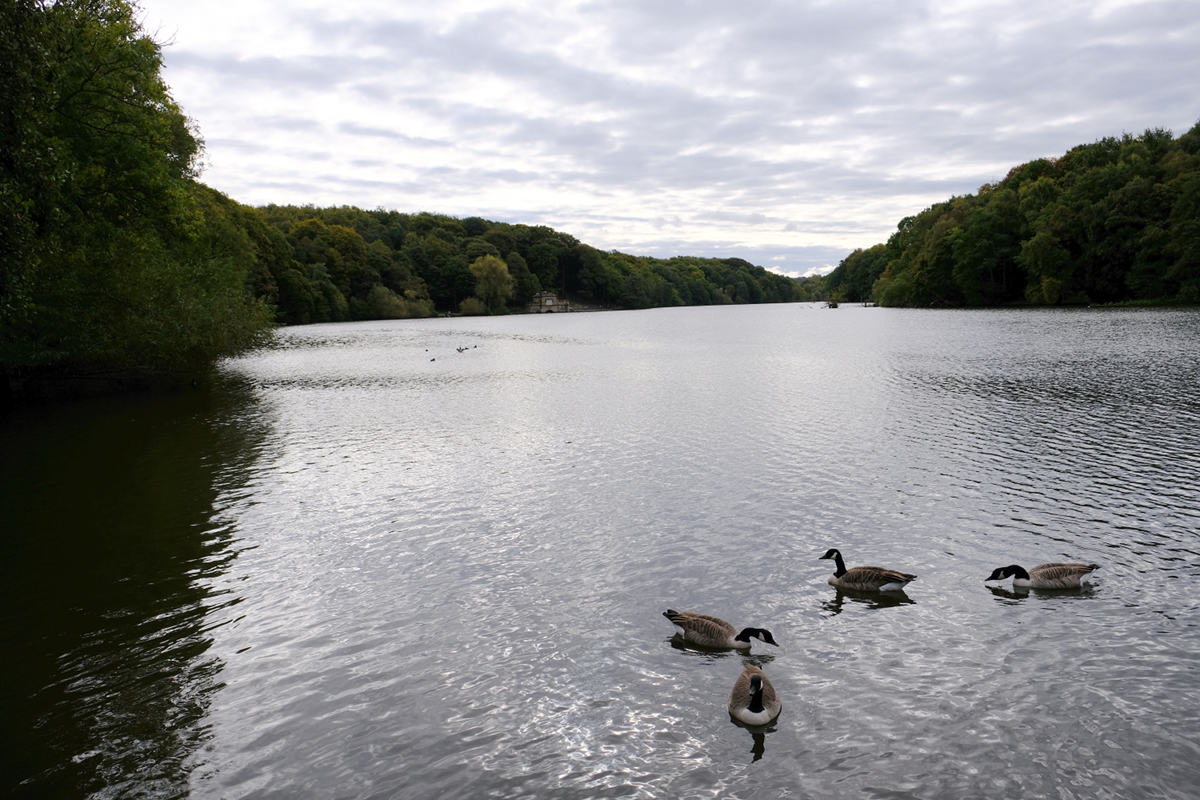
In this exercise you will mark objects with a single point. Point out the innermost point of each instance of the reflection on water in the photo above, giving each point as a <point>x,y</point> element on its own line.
<point>707,653</point>
<point>397,568</point>
<point>105,589</point>
<point>758,736</point>
<point>760,660</point>
<point>872,600</point>
<point>1023,592</point>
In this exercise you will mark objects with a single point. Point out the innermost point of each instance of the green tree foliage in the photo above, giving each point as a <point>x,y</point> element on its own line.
<point>525,283</point>
<point>857,273</point>
<point>340,263</point>
<point>1048,267</point>
<point>113,258</point>
<point>433,257</point>
<point>812,288</point>
<point>1117,220</point>
<point>472,307</point>
<point>493,284</point>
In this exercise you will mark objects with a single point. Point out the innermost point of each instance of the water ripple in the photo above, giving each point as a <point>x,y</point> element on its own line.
<point>445,577</point>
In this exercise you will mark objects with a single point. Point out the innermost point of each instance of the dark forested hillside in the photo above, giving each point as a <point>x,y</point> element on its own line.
<point>1113,221</point>
<point>116,260</point>
<point>347,263</point>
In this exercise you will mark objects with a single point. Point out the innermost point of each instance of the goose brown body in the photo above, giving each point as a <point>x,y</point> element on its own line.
<point>753,699</point>
<point>709,631</point>
<point>1046,576</point>
<point>866,579</point>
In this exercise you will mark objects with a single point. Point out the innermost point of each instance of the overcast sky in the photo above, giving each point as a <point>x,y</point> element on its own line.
<point>785,133</point>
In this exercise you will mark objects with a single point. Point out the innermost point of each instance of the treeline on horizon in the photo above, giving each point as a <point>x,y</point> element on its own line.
<point>345,263</point>
<point>1116,221</point>
<point>114,257</point>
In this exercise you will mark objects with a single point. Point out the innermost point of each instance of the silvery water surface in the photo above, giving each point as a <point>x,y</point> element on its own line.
<point>429,558</point>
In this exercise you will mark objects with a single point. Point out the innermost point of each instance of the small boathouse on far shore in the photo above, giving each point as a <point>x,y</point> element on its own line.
<point>547,302</point>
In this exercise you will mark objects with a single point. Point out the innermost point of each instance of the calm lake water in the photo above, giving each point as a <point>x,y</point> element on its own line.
<point>367,564</point>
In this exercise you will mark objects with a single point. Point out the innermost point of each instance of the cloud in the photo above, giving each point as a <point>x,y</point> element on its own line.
<point>777,127</point>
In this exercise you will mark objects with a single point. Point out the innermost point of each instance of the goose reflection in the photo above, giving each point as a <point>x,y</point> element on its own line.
<point>871,600</point>
<point>1006,595</point>
<point>758,737</point>
<point>707,653</point>
<point>1018,593</point>
<point>712,654</point>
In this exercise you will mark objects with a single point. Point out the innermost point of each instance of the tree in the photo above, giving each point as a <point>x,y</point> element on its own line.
<point>542,259</point>
<point>111,264</point>
<point>857,273</point>
<point>342,255</point>
<point>439,262</point>
<point>493,284</point>
<point>1049,267</point>
<point>525,283</point>
<point>1112,221</point>
<point>431,254</point>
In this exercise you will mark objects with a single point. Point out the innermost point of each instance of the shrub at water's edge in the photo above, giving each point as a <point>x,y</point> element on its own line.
<point>1113,221</point>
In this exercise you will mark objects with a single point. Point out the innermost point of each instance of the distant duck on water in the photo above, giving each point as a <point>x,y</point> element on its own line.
<point>709,631</point>
<point>866,579</point>
<point>753,699</point>
<point>1045,576</point>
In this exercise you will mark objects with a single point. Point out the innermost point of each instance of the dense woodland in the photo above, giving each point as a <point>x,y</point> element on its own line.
<point>319,264</point>
<point>1113,221</point>
<point>112,256</point>
<point>115,258</point>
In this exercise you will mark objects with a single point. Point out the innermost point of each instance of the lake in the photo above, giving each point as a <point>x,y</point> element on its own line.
<point>429,558</point>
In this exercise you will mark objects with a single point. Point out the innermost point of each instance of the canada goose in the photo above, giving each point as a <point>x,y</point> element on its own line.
<point>709,631</point>
<point>753,699</point>
<point>866,579</point>
<point>1045,576</point>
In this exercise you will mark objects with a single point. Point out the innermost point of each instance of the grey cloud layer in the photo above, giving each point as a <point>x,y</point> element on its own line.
<point>751,126</point>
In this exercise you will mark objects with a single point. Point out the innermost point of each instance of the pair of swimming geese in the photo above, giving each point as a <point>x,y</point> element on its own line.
<point>878,579</point>
<point>753,699</point>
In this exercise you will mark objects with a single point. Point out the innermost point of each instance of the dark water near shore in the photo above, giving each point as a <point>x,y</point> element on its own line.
<point>368,565</point>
